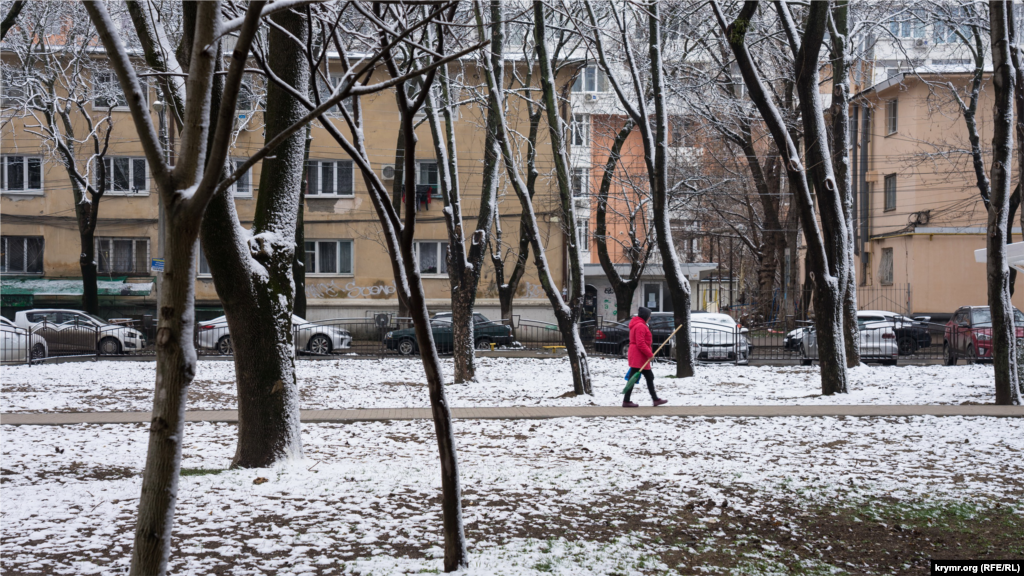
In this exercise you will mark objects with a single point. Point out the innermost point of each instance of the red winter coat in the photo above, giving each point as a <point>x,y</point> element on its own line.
<point>640,341</point>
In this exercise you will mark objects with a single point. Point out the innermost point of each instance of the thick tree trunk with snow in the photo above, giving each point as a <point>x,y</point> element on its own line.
<point>1003,78</point>
<point>253,271</point>
<point>299,262</point>
<point>86,212</point>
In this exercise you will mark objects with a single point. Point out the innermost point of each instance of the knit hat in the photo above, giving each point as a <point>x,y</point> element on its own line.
<point>644,313</point>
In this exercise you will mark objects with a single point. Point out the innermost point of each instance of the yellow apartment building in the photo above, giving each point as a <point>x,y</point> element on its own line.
<point>348,269</point>
<point>919,215</point>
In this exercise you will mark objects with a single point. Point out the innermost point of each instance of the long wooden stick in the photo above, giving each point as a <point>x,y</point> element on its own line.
<point>635,377</point>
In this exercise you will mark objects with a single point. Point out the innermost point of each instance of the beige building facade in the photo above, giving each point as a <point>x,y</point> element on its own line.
<point>919,214</point>
<point>348,269</point>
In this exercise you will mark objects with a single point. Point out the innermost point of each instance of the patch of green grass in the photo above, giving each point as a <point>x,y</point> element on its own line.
<point>200,471</point>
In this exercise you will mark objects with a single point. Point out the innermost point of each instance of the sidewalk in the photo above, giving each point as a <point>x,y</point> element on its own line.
<point>526,413</point>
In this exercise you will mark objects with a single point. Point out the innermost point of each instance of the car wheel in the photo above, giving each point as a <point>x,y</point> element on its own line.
<point>319,344</point>
<point>888,362</point>
<point>970,354</point>
<point>224,346</point>
<point>406,347</point>
<point>624,349</point>
<point>38,351</point>
<point>109,346</point>
<point>948,358</point>
<point>804,360</point>
<point>907,346</point>
<point>483,343</point>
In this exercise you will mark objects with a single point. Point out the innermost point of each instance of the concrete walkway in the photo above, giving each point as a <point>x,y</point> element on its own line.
<point>525,413</point>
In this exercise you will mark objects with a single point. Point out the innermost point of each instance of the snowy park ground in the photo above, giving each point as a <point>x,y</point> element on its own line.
<point>399,383</point>
<point>659,495</point>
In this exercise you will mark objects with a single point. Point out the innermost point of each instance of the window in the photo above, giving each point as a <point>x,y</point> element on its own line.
<point>946,32</point>
<point>125,175</point>
<point>885,267</point>
<point>204,266</point>
<point>907,24</point>
<point>591,79</point>
<point>329,178</point>
<point>432,257</point>
<point>583,234</point>
<point>580,182</point>
<point>891,117</point>
<point>122,255</point>
<point>248,100</point>
<point>22,254</point>
<point>21,175</point>
<point>347,102</point>
<point>242,188</point>
<point>580,129</point>
<point>865,269</point>
<point>107,91</point>
<point>428,177</point>
<point>890,192</point>
<point>329,257</point>
<point>14,85</point>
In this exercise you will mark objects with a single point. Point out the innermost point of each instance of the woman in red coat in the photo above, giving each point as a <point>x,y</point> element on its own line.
<point>640,352</point>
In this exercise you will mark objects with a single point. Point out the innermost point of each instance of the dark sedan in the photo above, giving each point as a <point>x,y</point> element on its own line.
<point>485,333</point>
<point>614,338</point>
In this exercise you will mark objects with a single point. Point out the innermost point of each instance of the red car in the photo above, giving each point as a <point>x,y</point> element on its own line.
<point>969,334</point>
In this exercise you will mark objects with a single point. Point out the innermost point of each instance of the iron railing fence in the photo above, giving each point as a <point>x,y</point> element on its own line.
<point>796,303</point>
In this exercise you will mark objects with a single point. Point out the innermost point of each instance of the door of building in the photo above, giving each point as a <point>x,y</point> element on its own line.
<point>652,297</point>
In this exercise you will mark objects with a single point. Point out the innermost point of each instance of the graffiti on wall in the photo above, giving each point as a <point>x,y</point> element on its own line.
<point>350,290</point>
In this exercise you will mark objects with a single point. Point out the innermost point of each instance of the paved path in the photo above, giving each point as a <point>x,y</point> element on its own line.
<point>523,412</point>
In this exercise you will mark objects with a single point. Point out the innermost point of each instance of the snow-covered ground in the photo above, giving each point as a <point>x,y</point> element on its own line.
<point>564,496</point>
<point>399,383</point>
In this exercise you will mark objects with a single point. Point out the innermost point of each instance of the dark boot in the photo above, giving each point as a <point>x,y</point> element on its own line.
<point>660,401</point>
<point>628,404</point>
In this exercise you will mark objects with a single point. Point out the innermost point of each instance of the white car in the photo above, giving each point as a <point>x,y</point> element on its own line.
<point>77,332</point>
<point>309,337</point>
<point>717,337</point>
<point>877,344</point>
<point>18,344</point>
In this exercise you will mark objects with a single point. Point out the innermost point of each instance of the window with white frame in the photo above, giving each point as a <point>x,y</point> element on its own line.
<point>242,188</point>
<point>590,79</point>
<point>12,90</point>
<point>107,91</point>
<point>892,110</point>
<point>907,24</point>
<point>580,182</point>
<point>583,234</point>
<point>580,129</point>
<point>428,177</point>
<point>249,99</point>
<point>122,255</point>
<point>329,257</point>
<point>329,178</point>
<point>885,268</point>
<point>204,265</point>
<point>21,254</point>
<point>890,192</point>
<point>124,175</point>
<point>21,174</point>
<point>326,91</point>
<point>432,257</point>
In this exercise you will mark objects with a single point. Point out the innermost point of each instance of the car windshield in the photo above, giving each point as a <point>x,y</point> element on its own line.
<point>96,319</point>
<point>982,317</point>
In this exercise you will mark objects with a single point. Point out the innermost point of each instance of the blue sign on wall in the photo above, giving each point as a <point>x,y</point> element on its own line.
<point>157,265</point>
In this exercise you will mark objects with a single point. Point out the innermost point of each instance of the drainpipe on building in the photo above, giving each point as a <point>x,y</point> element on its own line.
<point>161,110</point>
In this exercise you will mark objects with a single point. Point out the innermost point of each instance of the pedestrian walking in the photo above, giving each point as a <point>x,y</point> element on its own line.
<point>640,355</point>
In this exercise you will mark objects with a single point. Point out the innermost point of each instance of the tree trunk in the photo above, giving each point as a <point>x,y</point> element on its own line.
<point>87,262</point>
<point>299,263</point>
<point>253,271</point>
<point>678,286</point>
<point>1003,77</point>
<point>175,369</point>
<point>567,313</point>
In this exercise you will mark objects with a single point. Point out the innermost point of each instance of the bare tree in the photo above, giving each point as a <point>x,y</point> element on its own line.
<point>827,256</point>
<point>645,102</point>
<point>47,87</point>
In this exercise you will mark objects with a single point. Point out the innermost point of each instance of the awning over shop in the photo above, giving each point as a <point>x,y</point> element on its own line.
<point>21,291</point>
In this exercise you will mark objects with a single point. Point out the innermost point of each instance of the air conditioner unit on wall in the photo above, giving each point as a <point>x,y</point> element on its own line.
<point>387,171</point>
<point>920,42</point>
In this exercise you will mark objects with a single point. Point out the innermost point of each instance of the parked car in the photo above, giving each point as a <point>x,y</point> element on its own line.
<point>713,337</point>
<point>968,334</point>
<point>911,334</point>
<point>310,338</point>
<point>19,344</point>
<point>794,338</point>
<point>74,331</point>
<point>485,332</point>
<point>614,338</point>
<point>877,344</point>
<point>718,337</point>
